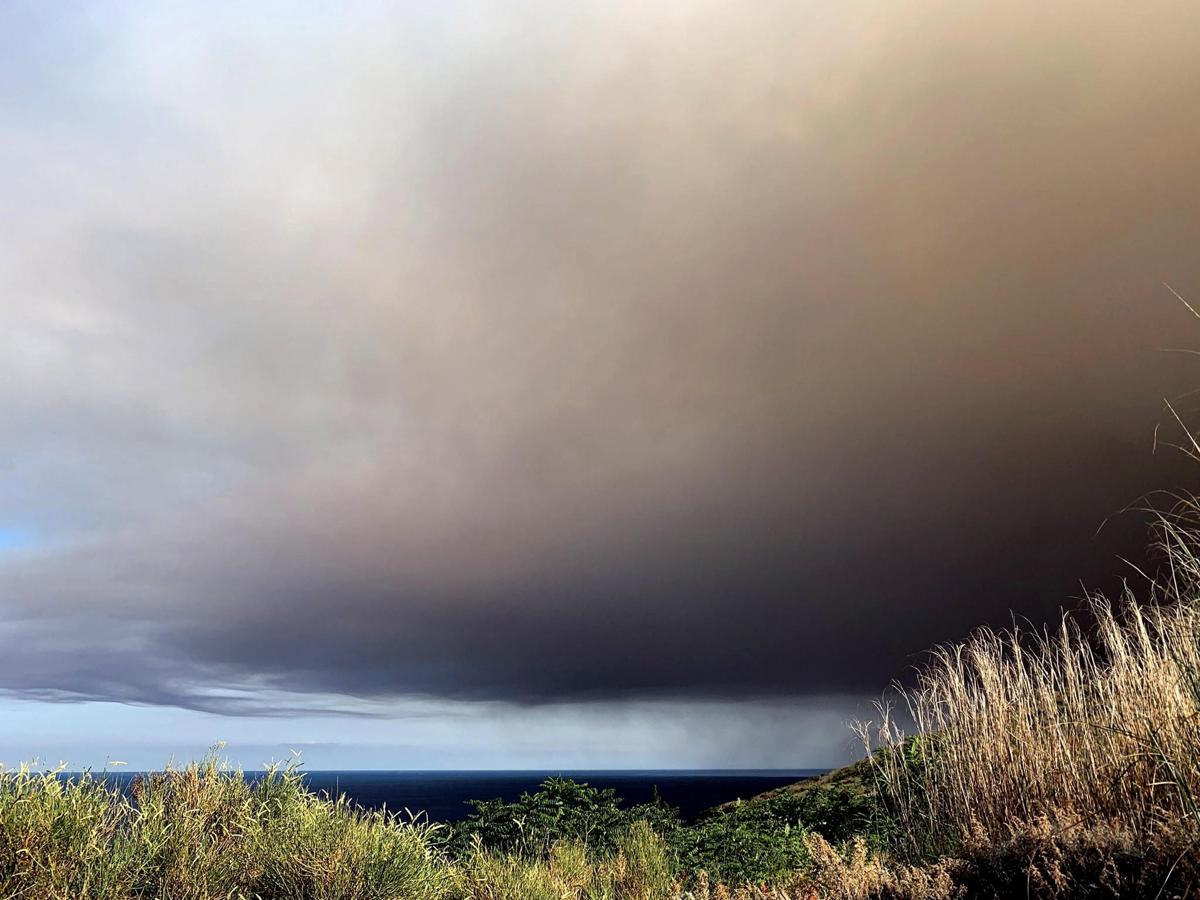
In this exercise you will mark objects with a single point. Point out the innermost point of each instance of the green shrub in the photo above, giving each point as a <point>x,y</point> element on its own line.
<point>740,842</point>
<point>561,810</point>
<point>738,850</point>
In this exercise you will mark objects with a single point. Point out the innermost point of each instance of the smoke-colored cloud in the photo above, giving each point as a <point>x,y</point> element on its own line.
<point>558,353</point>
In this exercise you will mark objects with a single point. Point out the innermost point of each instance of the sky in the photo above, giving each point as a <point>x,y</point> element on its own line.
<point>540,384</point>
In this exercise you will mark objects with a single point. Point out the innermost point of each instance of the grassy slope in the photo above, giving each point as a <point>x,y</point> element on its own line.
<point>857,779</point>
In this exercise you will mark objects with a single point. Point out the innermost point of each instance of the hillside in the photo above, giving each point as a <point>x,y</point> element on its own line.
<point>855,779</point>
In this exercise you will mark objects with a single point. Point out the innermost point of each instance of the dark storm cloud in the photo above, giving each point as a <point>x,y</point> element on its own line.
<point>578,353</point>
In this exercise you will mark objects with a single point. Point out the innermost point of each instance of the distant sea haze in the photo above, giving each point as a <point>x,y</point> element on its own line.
<point>444,795</point>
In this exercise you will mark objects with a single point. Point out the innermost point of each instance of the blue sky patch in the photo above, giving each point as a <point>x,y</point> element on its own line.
<point>14,537</point>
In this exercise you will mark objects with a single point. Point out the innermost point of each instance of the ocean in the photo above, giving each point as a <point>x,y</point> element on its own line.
<point>443,795</point>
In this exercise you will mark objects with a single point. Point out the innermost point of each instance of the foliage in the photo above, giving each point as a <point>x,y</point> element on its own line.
<point>561,810</point>
<point>745,841</point>
<point>740,850</point>
<point>767,836</point>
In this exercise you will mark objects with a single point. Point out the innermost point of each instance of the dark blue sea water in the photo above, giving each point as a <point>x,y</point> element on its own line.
<point>444,795</point>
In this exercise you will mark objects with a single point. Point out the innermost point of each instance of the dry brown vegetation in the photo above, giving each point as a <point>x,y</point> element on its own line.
<point>1066,758</point>
<point>1020,728</point>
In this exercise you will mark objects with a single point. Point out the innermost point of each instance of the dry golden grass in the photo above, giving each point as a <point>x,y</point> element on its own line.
<point>1013,727</point>
<point>851,872</point>
<point>1069,756</point>
<point>1064,761</point>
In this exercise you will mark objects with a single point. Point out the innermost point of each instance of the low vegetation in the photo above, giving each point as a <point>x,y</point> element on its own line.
<point>562,810</point>
<point>748,841</point>
<point>1064,763</point>
<point>205,832</point>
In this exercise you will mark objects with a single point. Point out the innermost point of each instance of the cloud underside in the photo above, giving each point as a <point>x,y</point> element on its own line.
<point>574,353</point>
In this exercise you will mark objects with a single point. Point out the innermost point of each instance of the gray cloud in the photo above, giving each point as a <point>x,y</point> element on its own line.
<point>563,353</point>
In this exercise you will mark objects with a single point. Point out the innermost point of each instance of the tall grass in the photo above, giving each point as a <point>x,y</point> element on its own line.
<point>640,869</point>
<point>205,832</point>
<point>1063,731</point>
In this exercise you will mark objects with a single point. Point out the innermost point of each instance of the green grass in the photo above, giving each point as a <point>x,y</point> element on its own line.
<point>205,832</point>
<point>639,868</point>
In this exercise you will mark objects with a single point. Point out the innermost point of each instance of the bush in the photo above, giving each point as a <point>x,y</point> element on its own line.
<point>561,810</point>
